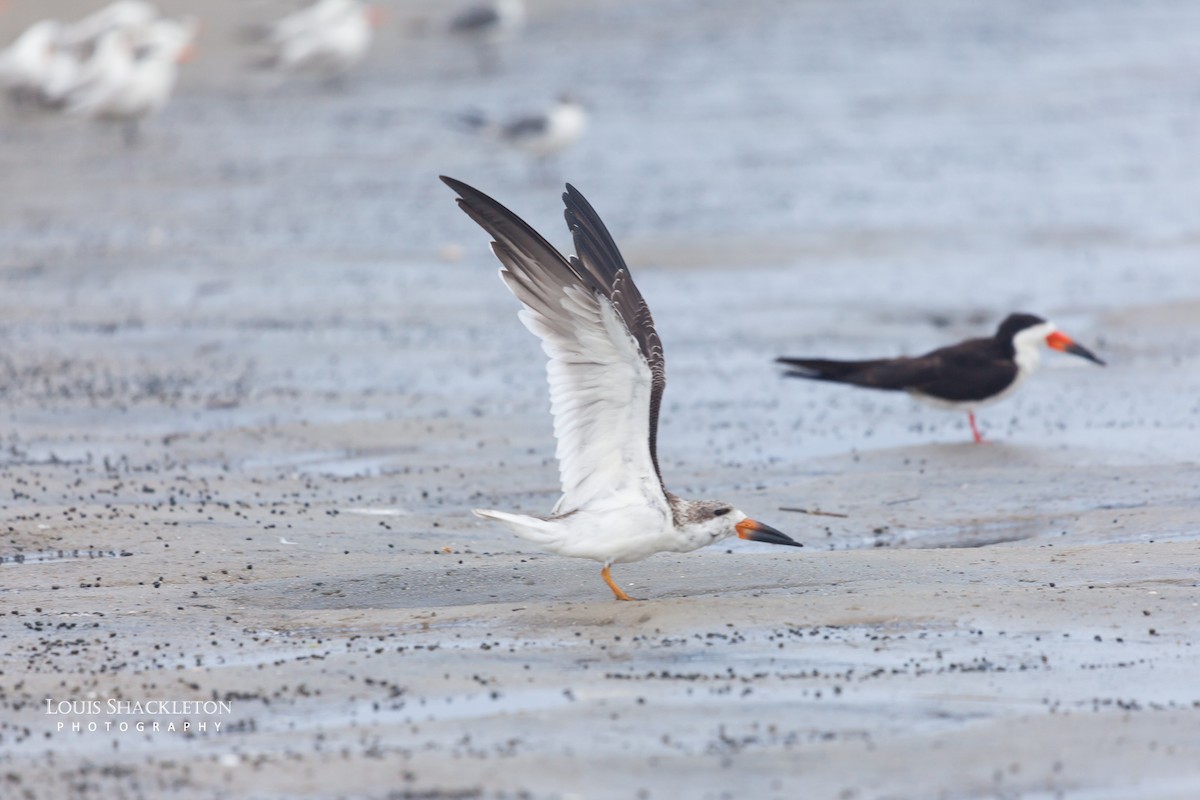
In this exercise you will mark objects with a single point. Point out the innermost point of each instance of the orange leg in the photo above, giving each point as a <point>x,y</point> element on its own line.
<point>975,428</point>
<point>616,590</point>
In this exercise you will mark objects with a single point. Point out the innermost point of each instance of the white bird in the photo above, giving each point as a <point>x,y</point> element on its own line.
<point>488,26</point>
<point>47,62</point>
<point>329,37</point>
<point>606,375</point>
<point>124,15</point>
<point>126,81</point>
<point>27,63</point>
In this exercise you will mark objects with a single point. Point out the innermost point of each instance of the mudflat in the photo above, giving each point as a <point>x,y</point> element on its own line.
<point>256,372</point>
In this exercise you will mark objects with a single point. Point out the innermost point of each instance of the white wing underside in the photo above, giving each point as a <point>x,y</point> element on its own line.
<point>600,388</point>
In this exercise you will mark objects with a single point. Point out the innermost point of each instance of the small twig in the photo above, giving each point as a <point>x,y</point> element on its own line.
<point>899,502</point>
<point>815,513</point>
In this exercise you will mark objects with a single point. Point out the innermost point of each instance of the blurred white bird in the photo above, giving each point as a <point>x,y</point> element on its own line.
<point>46,63</point>
<point>543,136</point>
<point>488,26</point>
<point>127,15</point>
<point>126,81</point>
<point>329,37</point>
<point>26,63</point>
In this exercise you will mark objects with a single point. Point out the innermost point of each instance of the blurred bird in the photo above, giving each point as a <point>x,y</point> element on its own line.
<point>127,81</point>
<point>488,26</point>
<point>26,64</point>
<point>47,61</point>
<point>963,377</point>
<point>607,375</point>
<point>543,136</point>
<point>125,15</point>
<point>329,37</point>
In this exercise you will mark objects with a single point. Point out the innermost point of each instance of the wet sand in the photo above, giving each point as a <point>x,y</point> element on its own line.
<point>250,396</point>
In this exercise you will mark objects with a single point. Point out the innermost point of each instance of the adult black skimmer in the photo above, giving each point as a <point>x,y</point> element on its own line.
<point>606,374</point>
<point>963,376</point>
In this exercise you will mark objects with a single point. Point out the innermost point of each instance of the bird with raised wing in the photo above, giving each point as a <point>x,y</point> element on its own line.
<point>962,377</point>
<point>607,374</point>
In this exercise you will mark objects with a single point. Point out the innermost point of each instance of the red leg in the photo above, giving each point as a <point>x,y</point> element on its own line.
<point>975,428</point>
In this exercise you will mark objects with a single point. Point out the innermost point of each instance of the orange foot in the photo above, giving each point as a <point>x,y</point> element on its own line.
<point>616,590</point>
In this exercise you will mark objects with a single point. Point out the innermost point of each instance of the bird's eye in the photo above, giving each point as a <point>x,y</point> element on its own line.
<point>720,512</point>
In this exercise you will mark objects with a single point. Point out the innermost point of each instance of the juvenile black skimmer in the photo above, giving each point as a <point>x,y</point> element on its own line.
<point>963,376</point>
<point>606,374</point>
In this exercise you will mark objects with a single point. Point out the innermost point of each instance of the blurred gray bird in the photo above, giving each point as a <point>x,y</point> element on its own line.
<point>543,136</point>
<point>488,26</point>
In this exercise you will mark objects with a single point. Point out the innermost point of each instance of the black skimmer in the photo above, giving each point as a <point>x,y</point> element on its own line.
<point>963,376</point>
<point>606,375</point>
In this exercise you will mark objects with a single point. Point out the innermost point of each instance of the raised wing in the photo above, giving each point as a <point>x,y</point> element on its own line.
<point>606,364</point>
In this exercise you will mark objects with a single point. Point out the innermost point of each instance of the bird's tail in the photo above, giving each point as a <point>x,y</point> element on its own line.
<point>535,529</point>
<point>824,369</point>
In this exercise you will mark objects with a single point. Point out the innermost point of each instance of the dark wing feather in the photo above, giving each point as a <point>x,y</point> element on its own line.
<point>605,365</point>
<point>596,254</point>
<point>892,374</point>
<point>971,370</point>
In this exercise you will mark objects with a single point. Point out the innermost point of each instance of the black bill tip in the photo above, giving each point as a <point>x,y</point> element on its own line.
<point>755,531</point>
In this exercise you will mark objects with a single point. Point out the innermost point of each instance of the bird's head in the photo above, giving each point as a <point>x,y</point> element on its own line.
<point>708,521</point>
<point>1027,332</point>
